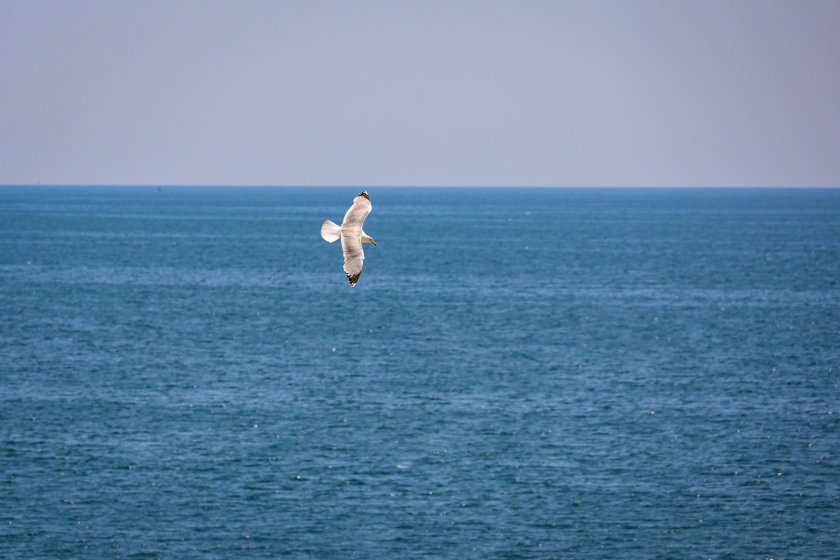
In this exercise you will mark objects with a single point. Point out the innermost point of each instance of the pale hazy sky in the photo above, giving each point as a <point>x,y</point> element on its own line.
<point>421,93</point>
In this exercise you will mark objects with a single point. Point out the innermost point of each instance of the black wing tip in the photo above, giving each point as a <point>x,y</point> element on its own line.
<point>353,279</point>
<point>364,194</point>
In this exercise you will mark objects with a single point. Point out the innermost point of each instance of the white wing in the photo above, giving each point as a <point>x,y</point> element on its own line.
<point>355,216</point>
<point>354,257</point>
<point>351,237</point>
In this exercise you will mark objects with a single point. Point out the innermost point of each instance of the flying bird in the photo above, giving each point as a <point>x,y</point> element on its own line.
<point>352,236</point>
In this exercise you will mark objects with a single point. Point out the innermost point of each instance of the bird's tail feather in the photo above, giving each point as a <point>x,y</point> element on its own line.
<point>330,231</point>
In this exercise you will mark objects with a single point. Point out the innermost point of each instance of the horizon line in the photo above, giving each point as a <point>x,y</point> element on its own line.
<point>405,186</point>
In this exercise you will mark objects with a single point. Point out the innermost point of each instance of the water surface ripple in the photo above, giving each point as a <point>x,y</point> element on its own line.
<point>518,374</point>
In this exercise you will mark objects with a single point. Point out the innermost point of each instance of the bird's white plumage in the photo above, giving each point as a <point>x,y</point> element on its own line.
<point>351,234</point>
<point>354,257</point>
<point>356,214</point>
<point>330,231</point>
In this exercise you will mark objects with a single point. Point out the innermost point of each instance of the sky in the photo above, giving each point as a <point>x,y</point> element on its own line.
<point>530,93</point>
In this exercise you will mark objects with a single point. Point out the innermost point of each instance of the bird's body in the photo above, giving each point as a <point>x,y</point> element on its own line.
<point>352,236</point>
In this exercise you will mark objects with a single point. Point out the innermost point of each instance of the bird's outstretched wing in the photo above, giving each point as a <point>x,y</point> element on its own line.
<point>354,257</point>
<point>357,213</point>
<point>351,237</point>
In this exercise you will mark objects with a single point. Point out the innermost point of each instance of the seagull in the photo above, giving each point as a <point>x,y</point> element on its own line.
<point>352,236</point>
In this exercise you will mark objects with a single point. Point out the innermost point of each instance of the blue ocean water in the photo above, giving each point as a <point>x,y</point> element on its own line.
<point>520,373</point>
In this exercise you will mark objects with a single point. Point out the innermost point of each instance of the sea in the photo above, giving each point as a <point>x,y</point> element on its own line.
<point>185,372</point>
